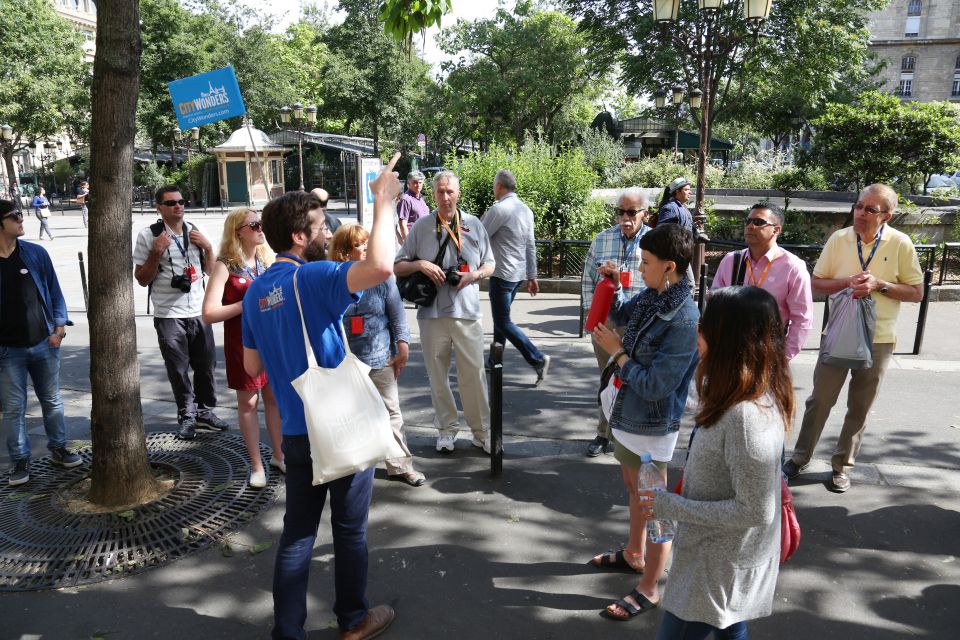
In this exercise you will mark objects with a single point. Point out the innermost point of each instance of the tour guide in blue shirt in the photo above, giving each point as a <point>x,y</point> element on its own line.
<point>293,224</point>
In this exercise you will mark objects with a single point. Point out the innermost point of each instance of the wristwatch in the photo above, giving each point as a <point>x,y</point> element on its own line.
<point>885,288</point>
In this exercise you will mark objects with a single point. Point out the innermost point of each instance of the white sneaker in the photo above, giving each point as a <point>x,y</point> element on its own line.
<point>446,442</point>
<point>279,464</point>
<point>258,479</point>
<point>542,371</point>
<point>482,444</point>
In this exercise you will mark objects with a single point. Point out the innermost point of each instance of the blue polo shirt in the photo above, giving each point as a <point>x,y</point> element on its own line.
<point>271,325</point>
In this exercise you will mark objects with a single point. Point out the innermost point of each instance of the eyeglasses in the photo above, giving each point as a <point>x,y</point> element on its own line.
<point>758,222</point>
<point>632,213</point>
<point>16,216</point>
<point>256,225</point>
<point>173,203</point>
<point>873,211</point>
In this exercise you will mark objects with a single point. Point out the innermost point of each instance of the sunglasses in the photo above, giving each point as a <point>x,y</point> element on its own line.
<point>256,225</point>
<point>632,213</point>
<point>173,203</point>
<point>758,222</point>
<point>871,211</point>
<point>16,216</point>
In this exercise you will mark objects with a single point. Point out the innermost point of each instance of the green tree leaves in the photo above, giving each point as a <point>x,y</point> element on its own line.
<point>404,18</point>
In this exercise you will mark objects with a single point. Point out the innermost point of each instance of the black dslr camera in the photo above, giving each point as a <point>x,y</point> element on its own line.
<point>183,282</point>
<point>453,276</point>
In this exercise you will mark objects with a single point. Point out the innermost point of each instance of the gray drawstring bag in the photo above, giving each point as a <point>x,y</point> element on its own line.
<point>848,340</point>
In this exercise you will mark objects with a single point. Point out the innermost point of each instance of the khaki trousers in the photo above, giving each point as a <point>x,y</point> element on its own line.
<point>603,429</point>
<point>386,384</point>
<point>827,383</point>
<point>440,337</point>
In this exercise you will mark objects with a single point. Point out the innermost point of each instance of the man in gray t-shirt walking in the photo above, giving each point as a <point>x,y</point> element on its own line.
<point>509,222</point>
<point>452,322</point>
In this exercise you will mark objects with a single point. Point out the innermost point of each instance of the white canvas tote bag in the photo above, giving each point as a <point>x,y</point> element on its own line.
<point>347,423</point>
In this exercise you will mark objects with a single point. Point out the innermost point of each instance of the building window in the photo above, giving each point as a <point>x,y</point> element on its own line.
<point>913,9</point>
<point>955,90</point>
<point>912,29</point>
<point>908,63</point>
<point>906,86</point>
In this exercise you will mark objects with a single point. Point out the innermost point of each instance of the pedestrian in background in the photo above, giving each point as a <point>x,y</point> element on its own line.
<point>243,256</point>
<point>41,208</point>
<point>727,549</point>
<point>673,204</point>
<point>82,193</point>
<point>509,223</point>
<point>378,334</point>
<point>654,363</point>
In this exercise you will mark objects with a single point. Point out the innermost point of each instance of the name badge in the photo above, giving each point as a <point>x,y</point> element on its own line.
<point>356,325</point>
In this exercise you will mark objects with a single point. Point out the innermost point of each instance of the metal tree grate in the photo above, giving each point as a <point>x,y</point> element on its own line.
<point>42,546</point>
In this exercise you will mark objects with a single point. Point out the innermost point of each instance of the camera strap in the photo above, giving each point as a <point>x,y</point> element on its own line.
<point>450,234</point>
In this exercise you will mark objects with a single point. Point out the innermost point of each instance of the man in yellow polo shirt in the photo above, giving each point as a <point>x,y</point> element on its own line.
<point>873,259</point>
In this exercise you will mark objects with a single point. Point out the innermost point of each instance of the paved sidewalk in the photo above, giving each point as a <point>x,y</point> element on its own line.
<point>471,557</point>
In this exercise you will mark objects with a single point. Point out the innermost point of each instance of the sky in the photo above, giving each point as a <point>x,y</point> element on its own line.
<point>288,11</point>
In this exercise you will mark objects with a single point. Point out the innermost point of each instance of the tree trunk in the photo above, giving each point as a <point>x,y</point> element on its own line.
<point>376,136</point>
<point>11,176</point>
<point>121,471</point>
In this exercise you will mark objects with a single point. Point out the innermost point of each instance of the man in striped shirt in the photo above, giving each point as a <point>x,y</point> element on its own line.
<point>619,244</point>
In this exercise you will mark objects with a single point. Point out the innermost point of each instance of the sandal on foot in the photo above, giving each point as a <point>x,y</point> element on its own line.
<point>632,611</point>
<point>611,560</point>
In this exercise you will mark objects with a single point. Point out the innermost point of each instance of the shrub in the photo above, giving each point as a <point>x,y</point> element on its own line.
<point>604,155</point>
<point>556,186</point>
<point>661,170</point>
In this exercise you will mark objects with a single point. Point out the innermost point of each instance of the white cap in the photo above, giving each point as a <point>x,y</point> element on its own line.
<point>678,184</point>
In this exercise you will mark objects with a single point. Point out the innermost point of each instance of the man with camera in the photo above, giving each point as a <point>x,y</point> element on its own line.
<point>452,321</point>
<point>170,257</point>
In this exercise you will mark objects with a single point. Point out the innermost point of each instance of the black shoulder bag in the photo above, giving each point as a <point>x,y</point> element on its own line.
<point>418,288</point>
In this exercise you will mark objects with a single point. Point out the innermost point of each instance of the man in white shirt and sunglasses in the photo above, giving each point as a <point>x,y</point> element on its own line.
<point>170,257</point>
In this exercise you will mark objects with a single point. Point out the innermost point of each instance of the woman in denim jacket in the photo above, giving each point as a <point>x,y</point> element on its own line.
<point>655,362</point>
<point>377,331</point>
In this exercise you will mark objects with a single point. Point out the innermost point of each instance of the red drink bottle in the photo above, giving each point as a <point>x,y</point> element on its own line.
<point>600,307</point>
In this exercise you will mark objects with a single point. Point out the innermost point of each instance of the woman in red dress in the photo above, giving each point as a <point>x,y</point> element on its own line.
<point>243,256</point>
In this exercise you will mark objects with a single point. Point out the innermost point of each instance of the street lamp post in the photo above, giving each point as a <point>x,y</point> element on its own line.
<point>47,156</point>
<point>190,139</point>
<point>301,118</point>
<point>175,136</point>
<point>712,46</point>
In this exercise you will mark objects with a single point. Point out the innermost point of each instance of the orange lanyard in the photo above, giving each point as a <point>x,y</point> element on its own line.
<point>454,237</point>
<point>763,276</point>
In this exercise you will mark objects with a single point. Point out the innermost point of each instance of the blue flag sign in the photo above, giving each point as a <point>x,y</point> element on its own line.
<point>206,97</point>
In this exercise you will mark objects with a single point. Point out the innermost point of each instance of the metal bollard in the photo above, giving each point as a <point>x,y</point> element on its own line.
<point>83,282</point>
<point>702,298</point>
<point>922,317</point>
<point>496,410</point>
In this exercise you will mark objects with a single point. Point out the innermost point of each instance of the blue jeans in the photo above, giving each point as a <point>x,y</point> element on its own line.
<point>501,295</point>
<point>42,362</point>
<point>349,504</point>
<point>673,628</point>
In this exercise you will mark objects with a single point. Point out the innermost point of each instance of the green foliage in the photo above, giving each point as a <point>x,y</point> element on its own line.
<point>882,139</point>
<point>724,227</point>
<point>956,228</point>
<point>603,154</point>
<point>556,186</point>
<point>659,171</point>
<point>44,80</point>
<point>151,175</point>
<point>523,72</point>
<point>404,18</point>
<point>189,176</point>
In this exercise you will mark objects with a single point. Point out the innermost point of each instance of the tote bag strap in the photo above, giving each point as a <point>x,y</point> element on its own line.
<point>312,359</point>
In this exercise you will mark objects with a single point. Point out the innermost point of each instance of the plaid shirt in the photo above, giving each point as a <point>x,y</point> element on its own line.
<point>611,244</point>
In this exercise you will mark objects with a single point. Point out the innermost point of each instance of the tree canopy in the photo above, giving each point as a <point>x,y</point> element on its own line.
<point>879,138</point>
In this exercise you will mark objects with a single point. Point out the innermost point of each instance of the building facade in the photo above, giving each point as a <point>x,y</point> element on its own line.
<point>920,41</point>
<point>83,15</point>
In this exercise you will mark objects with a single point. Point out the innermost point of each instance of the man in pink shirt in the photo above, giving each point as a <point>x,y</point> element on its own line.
<point>764,264</point>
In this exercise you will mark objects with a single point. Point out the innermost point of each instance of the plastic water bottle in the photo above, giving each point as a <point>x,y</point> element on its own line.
<point>650,479</point>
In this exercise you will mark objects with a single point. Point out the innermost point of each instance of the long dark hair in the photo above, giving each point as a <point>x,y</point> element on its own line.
<point>666,197</point>
<point>745,356</point>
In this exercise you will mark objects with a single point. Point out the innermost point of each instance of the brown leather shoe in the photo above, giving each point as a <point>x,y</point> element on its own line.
<point>376,622</point>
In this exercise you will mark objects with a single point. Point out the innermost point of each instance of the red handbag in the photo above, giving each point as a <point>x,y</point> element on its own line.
<point>789,526</point>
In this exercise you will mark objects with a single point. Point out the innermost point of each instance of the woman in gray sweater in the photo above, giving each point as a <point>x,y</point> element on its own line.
<point>727,547</point>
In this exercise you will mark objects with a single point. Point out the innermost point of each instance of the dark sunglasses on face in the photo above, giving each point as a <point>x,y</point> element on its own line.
<point>173,203</point>
<point>632,213</point>
<point>758,222</point>
<point>16,216</point>
<point>256,225</point>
